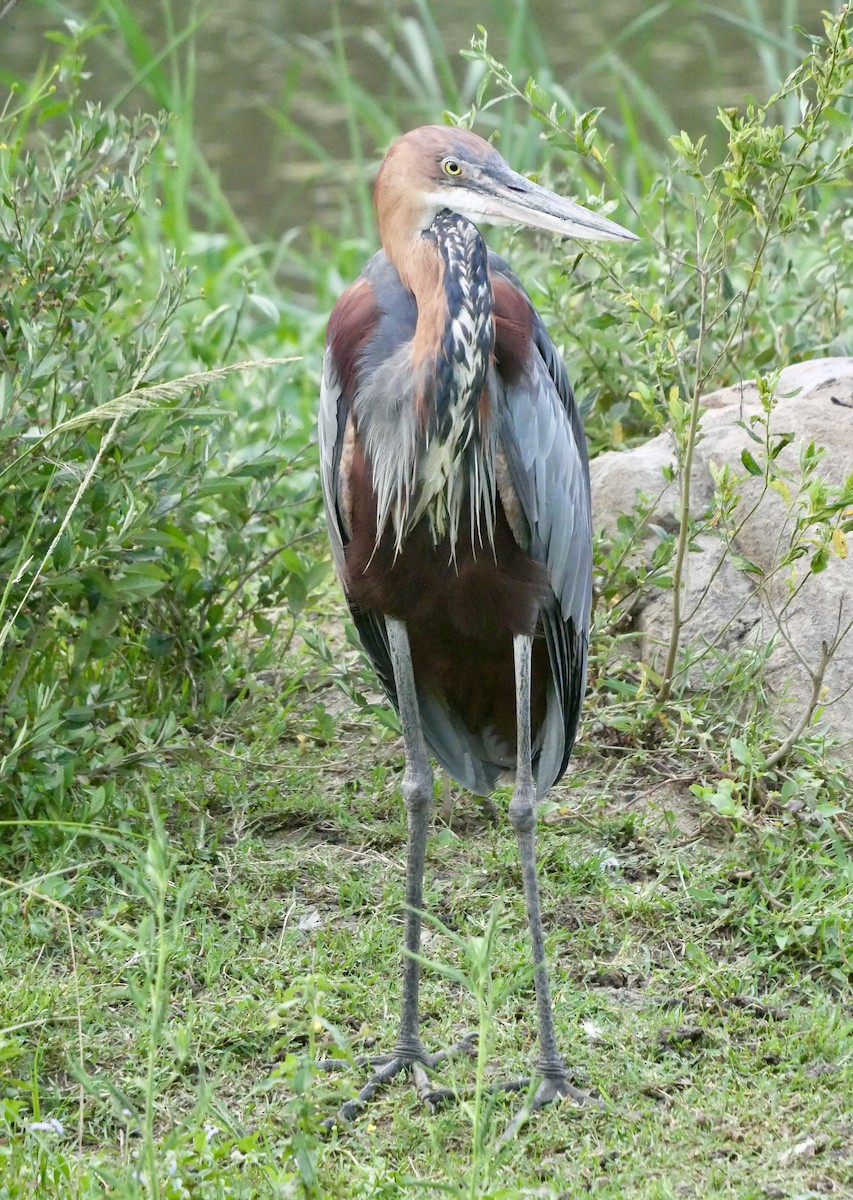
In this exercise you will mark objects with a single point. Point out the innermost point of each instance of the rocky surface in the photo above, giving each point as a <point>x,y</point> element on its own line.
<point>726,607</point>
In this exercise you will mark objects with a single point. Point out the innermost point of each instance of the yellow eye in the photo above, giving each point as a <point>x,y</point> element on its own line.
<point>451,167</point>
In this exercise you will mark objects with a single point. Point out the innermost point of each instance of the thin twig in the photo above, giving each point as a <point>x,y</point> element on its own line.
<point>769,897</point>
<point>790,741</point>
<point>79,1011</point>
<point>686,472</point>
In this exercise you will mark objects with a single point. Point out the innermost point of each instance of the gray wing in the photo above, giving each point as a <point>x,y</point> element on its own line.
<point>358,320</point>
<point>548,466</point>
<point>331,424</point>
<point>545,451</point>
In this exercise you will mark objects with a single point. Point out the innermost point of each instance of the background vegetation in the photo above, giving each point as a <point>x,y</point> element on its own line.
<point>201,873</point>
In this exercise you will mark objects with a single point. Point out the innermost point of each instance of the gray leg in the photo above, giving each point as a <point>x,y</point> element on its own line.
<point>418,797</point>
<point>522,816</point>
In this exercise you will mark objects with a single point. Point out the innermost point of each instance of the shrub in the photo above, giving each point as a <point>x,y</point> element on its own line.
<point>146,533</point>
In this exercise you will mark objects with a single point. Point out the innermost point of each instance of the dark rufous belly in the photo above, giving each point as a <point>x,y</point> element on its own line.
<point>461,612</point>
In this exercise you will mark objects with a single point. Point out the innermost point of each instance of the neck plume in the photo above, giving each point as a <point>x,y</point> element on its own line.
<point>456,465</point>
<point>439,420</point>
<point>467,339</point>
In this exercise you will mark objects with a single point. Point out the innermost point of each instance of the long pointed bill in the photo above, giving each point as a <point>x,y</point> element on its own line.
<point>503,197</point>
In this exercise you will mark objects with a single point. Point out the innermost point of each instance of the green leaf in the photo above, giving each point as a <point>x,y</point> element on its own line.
<point>741,752</point>
<point>159,644</point>
<point>784,440</point>
<point>749,462</point>
<point>263,624</point>
<point>746,564</point>
<point>138,581</point>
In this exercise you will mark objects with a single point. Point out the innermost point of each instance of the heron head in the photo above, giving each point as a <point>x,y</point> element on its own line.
<point>436,167</point>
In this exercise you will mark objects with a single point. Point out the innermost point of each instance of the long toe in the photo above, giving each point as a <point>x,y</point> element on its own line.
<point>385,1067</point>
<point>549,1089</point>
<point>465,1045</point>
<point>352,1108</point>
<point>552,1089</point>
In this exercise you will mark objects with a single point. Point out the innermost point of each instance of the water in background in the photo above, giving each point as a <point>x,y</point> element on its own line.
<point>271,114</point>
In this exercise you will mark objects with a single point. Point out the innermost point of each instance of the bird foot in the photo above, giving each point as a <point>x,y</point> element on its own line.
<point>551,1088</point>
<point>386,1066</point>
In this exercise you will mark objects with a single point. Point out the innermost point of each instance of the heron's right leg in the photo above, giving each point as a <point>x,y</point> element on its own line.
<point>417,790</point>
<point>418,797</point>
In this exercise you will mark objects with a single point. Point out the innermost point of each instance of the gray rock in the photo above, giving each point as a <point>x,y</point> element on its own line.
<point>728,608</point>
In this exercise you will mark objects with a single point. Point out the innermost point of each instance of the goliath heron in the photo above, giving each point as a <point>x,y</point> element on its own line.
<point>456,488</point>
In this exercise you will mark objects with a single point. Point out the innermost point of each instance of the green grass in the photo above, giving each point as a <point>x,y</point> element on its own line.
<point>165,997</point>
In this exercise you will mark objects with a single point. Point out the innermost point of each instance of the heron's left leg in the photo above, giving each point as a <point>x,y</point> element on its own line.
<point>408,1051</point>
<point>522,815</point>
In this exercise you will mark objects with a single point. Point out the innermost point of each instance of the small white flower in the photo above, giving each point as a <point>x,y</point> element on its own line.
<point>592,1030</point>
<point>51,1125</point>
<point>210,1132</point>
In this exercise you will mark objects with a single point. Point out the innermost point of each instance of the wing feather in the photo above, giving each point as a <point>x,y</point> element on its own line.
<point>331,427</point>
<point>543,443</point>
<point>358,328</point>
